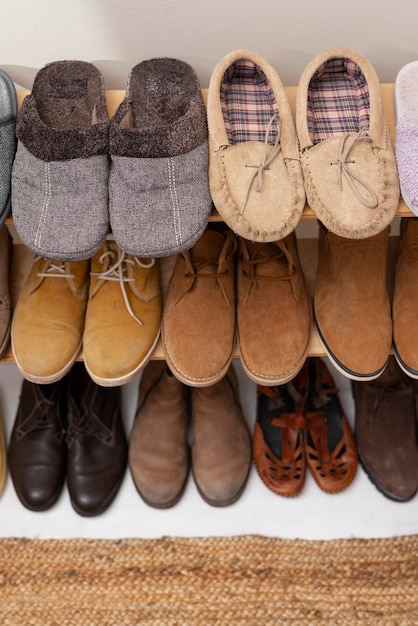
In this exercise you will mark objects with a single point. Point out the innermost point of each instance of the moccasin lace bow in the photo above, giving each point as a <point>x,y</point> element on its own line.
<point>347,142</point>
<point>267,157</point>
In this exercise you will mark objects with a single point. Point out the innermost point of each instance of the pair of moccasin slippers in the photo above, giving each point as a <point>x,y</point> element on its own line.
<point>337,154</point>
<point>143,173</point>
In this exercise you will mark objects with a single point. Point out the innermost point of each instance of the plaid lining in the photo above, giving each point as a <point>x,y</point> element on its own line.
<point>247,103</point>
<point>338,100</point>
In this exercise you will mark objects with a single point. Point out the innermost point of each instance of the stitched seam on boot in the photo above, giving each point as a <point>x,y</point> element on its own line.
<point>174,200</point>
<point>45,204</point>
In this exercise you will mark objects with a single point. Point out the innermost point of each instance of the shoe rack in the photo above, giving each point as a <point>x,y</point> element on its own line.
<point>22,257</point>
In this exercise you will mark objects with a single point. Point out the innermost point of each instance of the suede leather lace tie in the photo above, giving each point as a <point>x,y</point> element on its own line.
<point>281,256</point>
<point>196,267</point>
<point>266,159</point>
<point>347,143</point>
<point>117,271</point>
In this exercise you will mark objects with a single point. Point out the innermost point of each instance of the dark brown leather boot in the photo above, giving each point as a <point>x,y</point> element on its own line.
<point>221,448</point>
<point>97,445</point>
<point>37,449</point>
<point>386,432</point>
<point>158,448</point>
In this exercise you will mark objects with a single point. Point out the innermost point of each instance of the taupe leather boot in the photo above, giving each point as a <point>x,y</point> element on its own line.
<point>221,448</point>
<point>158,448</point>
<point>405,299</point>
<point>351,303</point>
<point>5,307</point>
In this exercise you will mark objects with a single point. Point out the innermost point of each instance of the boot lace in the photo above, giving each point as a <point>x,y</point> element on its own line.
<point>40,418</point>
<point>196,268</point>
<point>55,269</point>
<point>280,255</point>
<point>118,272</point>
<point>84,421</point>
<point>347,142</point>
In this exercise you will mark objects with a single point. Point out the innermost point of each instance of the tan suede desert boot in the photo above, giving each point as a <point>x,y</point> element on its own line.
<point>158,448</point>
<point>48,321</point>
<point>221,448</point>
<point>405,299</point>
<point>351,303</point>
<point>123,315</point>
<point>5,306</point>
<point>198,327</point>
<point>273,310</point>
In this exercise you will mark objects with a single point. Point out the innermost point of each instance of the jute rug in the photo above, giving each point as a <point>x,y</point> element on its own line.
<point>249,580</point>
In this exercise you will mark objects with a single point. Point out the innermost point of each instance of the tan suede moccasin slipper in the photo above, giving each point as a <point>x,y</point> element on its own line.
<point>255,177</point>
<point>348,162</point>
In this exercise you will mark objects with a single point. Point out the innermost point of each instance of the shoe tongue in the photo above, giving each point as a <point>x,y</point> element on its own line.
<point>209,246</point>
<point>271,261</point>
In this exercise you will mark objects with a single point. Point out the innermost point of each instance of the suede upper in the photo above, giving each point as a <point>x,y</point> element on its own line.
<point>256,185</point>
<point>351,180</point>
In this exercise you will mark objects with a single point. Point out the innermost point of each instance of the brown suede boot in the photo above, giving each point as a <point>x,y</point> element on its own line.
<point>221,448</point>
<point>351,303</point>
<point>198,327</point>
<point>405,299</point>
<point>5,307</point>
<point>273,310</point>
<point>158,448</point>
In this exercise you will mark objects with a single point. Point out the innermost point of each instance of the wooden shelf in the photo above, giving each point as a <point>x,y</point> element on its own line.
<point>22,258</point>
<point>114,97</point>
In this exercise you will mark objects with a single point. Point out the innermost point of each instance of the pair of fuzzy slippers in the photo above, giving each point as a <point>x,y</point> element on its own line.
<point>143,174</point>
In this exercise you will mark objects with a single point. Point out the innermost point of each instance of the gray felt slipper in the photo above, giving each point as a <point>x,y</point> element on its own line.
<point>159,200</point>
<point>8,113</point>
<point>61,168</point>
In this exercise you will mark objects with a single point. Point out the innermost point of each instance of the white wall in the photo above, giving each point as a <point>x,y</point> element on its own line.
<point>118,34</point>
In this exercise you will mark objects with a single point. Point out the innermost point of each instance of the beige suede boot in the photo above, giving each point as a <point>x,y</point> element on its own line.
<point>48,320</point>
<point>198,326</point>
<point>158,449</point>
<point>351,303</point>
<point>5,307</point>
<point>273,310</point>
<point>405,299</point>
<point>221,448</point>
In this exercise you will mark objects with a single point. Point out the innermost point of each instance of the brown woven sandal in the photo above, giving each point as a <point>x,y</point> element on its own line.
<point>279,439</point>
<point>330,448</point>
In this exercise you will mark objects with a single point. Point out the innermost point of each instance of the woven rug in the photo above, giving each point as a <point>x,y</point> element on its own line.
<point>249,580</point>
